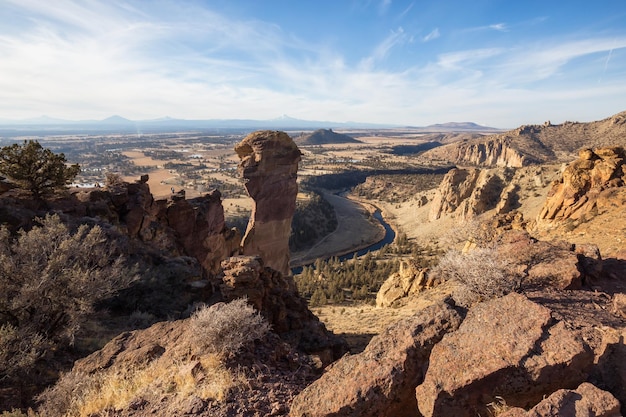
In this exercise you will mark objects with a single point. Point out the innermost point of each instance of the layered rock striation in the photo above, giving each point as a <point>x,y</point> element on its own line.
<point>269,165</point>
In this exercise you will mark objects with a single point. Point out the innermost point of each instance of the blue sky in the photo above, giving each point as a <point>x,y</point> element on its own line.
<point>498,63</point>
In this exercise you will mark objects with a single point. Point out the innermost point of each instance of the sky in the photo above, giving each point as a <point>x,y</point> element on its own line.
<point>497,63</point>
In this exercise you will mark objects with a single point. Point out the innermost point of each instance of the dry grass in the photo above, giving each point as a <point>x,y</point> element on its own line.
<point>81,395</point>
<point>206,378</point>
<point>194,365</point>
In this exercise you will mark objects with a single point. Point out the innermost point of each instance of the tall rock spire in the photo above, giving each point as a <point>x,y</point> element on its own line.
<point>269,166</point>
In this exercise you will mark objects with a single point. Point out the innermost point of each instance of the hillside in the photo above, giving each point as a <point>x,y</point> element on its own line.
<point>534,144</point>
<point>324,137</point>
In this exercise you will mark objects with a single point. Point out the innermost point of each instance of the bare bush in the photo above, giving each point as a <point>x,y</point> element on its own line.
<point>49,280</point>
<point>225,328</point>
<point>480,273</point>
<point>477,232</point>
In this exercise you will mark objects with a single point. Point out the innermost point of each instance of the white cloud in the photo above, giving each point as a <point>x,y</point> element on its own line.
<point>434,34</point>
<point>381,51</point>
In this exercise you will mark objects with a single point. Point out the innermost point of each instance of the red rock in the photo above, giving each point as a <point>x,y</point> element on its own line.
<point>585,401</point>
<point>585,185</point>
<point>508,347</point>
<point>380,381</point>
<point>269,163</point>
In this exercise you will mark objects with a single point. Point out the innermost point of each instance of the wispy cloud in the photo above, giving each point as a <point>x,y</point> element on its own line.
<point>500,27</point>
<point>381,51</point>
<point>406,11</point>
<point>434,34</point>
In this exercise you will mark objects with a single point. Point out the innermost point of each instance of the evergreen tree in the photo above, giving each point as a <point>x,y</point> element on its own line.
<point>35,168</point>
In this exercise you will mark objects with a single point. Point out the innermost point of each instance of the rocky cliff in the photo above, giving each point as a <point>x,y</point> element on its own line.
<point>560,336</point>
<point>532,144</point>
<point>269,165</point>
<point>176,226</point>
<point>466,193</point>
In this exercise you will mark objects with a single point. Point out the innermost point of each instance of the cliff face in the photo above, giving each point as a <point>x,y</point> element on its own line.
<point>531,144</point>
<point>496,152</point>
<point>466,193</point>
<point>176,226</point>
<point>492,151</point>
<point>269,165</point>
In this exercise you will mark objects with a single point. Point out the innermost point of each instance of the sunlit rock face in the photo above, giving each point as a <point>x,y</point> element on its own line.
<point>269,166</point>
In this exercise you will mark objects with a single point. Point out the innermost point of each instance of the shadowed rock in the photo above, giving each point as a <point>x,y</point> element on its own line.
<point>586,400</point>
<point>276,297</point>
<point>269,165</point>
<point>380,381</point>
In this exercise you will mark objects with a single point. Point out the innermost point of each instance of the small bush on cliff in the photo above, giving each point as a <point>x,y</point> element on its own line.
<point>482,275</point>
<point>36,168</point>
<point>49,280</point>
<point>224,329</point>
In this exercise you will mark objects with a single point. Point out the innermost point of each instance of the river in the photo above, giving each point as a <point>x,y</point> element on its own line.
<point>389,237</point>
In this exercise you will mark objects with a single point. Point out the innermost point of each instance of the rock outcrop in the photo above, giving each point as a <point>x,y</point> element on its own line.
<point>586,400</point>
<point>166,371</point>
<point>591,184</point>
<point>176,226</point>
<point>509,347</point>
<point>466,193</point>
<point>380,381</point>
<point>275,296</point>
<point>269,165</point>
<point>493,151</point>
<point>408,281</point>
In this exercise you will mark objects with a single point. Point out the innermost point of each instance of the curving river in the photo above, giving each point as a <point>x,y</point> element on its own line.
<point>389,237</point>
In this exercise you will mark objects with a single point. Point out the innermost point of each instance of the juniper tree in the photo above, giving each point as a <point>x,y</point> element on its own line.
<point>35,168</point>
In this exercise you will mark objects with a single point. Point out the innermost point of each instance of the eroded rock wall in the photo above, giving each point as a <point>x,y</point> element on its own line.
<point>468,192</point>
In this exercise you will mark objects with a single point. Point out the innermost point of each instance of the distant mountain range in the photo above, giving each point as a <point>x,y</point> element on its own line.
<point>167,124</point>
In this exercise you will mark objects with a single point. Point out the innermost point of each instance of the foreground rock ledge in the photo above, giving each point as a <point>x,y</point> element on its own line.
<point>508,347</point>
<point>380,381</point>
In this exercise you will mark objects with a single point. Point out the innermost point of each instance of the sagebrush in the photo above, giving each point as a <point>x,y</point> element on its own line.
<point>50,278</point>
<point>480,273</point>
<point>225,328</point>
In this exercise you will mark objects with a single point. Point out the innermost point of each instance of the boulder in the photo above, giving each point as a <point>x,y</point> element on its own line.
<point>275,296</point>
<point>586,400</point>
<point>586,185</point>
<point>381,380</point>
<point>610,370</point>
<point>409,280</point>
<point>269,165</point>
<point>508,347</point>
